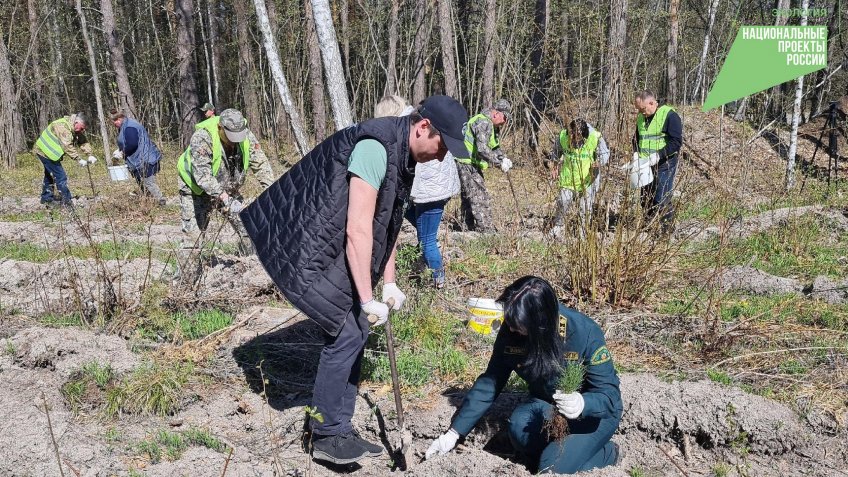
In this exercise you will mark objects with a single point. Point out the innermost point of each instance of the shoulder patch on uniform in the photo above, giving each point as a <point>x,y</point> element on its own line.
<point>515,350</point>
<point>600,356</point>
<point>571,356</point>
<point>563,325</point>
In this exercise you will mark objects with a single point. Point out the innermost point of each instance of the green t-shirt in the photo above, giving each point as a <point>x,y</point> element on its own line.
<point>369,161</point>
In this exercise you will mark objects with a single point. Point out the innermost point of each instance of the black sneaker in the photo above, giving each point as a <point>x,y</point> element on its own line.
<point>373,450</point>
<point>339,449</point>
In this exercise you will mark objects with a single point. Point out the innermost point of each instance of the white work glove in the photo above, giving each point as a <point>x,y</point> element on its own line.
<point>92,159</point>
<point>378,309</point>
<point>117,154</point>
<point>444,444</point>
<point>235,206</point>
<point>569,405</point>
<point>506,164</point>
<point>390,290</point>
<point>224,198</point>
<point>654,158</point>
<point>83,162</point>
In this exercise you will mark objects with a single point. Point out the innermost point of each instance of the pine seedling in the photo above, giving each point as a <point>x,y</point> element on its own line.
<point>570,380</point>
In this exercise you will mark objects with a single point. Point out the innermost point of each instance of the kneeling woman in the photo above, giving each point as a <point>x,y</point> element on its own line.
<point>540,335</point>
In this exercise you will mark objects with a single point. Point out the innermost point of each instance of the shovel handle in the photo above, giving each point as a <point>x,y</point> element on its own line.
<point>373,318</point>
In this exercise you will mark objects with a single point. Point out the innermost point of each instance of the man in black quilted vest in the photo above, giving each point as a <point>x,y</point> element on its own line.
<point>325,232</point>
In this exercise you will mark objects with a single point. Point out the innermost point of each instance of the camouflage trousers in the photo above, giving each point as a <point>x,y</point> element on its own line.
<point>475,207</point>
<point>194,213</point>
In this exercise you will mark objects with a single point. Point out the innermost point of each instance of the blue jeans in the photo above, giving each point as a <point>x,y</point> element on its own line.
<point>426,219</point>
<point>586,447</point>
<point>54,174</point>
<point>656,196</point>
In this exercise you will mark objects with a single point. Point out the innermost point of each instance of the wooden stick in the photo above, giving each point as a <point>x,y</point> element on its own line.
<point>52,436</point>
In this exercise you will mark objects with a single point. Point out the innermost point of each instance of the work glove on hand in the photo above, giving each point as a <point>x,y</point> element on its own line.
<point>506,164</point>
<point>83,162</point>
<point>92,159</point>
<point>117,154</point>
<point>378,309</point>
<point>224,198</point>
<point>444,444</point>
<point>654,158</point>
<point>235,206</point>
<point>390,290</point>
<point>569,405</point>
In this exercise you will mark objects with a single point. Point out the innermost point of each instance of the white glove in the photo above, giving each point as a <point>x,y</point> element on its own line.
<point>92,159</point>
<point>506,164</point>
<point>390,290</point>
<point>235,206</point>
<point>224,198</point>
<point>83,162</point>
<point>378,309</point>
<point>654,158</point>
<point>444,444</point>
<point>117,154</point>
<point>569,405</point>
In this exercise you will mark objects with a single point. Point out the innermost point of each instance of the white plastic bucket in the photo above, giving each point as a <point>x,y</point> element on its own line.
<point>119,173</point>
<point>640,172</point>
<point>486,315</point>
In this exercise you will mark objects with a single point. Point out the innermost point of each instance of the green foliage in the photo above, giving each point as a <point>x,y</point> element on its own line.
<point>61,321</point>
<point>720,377</point>
<point>312,413</point>
<point>637,472</point>
<point>9,348</point>
<point>171,445</point>
<point>152,389</point>
<point>571,377</point>
<point>202,323</point>
<point>721,470</point>
<point>108,250</point>
<point>100,374</point>
<point>86,387</point>
<point>204,438</point>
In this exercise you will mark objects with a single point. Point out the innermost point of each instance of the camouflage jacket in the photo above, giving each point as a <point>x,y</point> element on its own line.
<point>231,174</point>
<point>482,132</point>
<point>72,142</point>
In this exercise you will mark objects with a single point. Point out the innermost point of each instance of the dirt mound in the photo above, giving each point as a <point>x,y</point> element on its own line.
<point>831,291</point>
<point>67,350</point>
<point>710,414</point>
<point>757,282</point>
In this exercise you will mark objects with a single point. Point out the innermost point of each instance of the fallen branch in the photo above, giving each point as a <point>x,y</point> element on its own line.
<point>686,474</point>
<point>52,436</point>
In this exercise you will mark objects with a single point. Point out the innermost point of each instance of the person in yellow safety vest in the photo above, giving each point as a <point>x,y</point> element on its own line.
<point>658,137</point>
<point>208,110</point>
<point>62,137</point>
<point>580,150</point>
<point>483,144</point>
<point>214,167</point>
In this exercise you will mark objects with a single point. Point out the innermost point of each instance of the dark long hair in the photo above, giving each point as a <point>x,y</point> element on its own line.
<point>531,306</point>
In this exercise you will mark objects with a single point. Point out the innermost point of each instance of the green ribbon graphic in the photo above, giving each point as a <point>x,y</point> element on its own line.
<point>765,56</point>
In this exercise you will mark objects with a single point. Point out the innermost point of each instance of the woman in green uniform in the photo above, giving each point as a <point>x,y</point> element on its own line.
<point>540,335</point>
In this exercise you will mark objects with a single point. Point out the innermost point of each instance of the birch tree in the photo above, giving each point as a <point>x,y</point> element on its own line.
<point>333,71</point>
<point>796,115</point>
<point>45,100</point>
<point>671,54</point>
<point>12,132</point>
<point>116,53</point>
<point>95,78</point>
<point>699,77</point>
<point>280,78</point>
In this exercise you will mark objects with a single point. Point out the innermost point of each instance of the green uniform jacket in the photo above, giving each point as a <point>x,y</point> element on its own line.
<point>584,342</point>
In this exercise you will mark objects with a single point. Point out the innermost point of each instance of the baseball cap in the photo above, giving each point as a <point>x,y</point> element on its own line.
<point>234,124</point>
<point>449,118</point>
<point>207,107</point>
<point>503,106</point>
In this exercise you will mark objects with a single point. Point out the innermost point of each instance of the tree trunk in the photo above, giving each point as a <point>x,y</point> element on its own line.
<point>246,69</point>
<point>776,101</point>
<point>490,50</point>
<point>339,101</point>
<point>204,40</point>
<point>615,45</point>
<point>12,132</point>
<point>671,55</point>
<point>186,67</point>
<point>39,83</point>
<point>540,76</point>
<point>280,78</point>
<point>316,76</point>
<point>796,115</point>
<point>281,119</point>
<point>343,19</point>
<point>214,50</point>
<point>391,62</point>
<point>699,78</point>
<point>448,61</point>
<point>116,52</point>
<point>95,78</point>
<point>419,49</point>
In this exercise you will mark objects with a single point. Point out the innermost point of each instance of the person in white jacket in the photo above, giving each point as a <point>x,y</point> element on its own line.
<point>435,183</point>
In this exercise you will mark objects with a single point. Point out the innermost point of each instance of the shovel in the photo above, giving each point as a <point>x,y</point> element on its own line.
<point>405,436</point>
